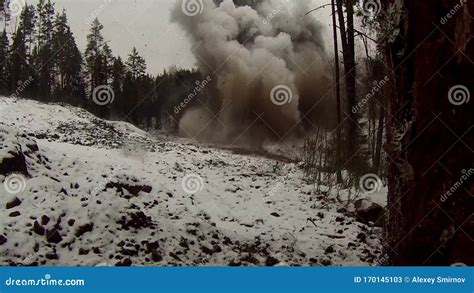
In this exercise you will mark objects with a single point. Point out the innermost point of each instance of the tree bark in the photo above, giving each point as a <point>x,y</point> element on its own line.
<point>338,94</point>
<point>431,140</point>
<point>348,53</point>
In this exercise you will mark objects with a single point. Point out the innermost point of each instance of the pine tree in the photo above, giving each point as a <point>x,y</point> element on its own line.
<point>43,52</point>
<point>70,83</point>
<point>94,55</point>
<point>20,56</point>
<point>108,60</point>
<point>3,62</point>
<point>136,64</point>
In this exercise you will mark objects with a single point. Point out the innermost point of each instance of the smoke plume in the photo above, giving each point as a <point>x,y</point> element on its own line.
<point>268,64</point>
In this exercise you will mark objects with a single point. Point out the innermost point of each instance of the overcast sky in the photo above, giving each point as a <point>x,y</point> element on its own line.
<point>144,24</point>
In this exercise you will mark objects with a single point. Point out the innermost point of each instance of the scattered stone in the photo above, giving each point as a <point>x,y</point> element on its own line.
<point>13,203</point>
<point>52,256</point>
<point>369,212</point>
<point>44,220</point>
<point>3,239</point>
<point>38,229</point>
<point>271,261</point>
<point>53,236</point>
<point>329,250</point>
<point>124,263</point>
<point>84,229</point>
<point>156,256</point>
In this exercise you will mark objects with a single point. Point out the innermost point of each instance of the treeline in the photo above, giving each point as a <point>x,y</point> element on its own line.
<point>40,60</point>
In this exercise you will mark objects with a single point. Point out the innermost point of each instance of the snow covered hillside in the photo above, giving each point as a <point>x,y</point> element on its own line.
<point>79,190</point>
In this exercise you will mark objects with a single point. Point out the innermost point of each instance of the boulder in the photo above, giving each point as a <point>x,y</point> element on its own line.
<point>369,212</point>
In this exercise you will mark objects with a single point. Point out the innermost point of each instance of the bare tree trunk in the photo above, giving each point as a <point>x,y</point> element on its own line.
<point>430,135</point>
<point>350,66</point>
<point>348,52</point>
<point>378,145</point>
<point>338,94</point>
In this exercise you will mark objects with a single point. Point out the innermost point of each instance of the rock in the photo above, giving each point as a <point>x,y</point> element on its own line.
<point>52,256</point>
<point>3,239</point>
<point>156,256</point>
<point>15,214</point>
<point>84,229</point>
<point>125,263</point>
<point>329,250</point>
<point>326,262</point>
<point>53,236</point>
<point>38,229</point>
<point>134,190</point>
<point>271,261</point>
<point>83,251</point>
<point>367,211</point>
<point>313,261</point>
<point>275,214</point>
<point>207,250</point>
<point>15,149</point>
<point>44,220</point>
<point>362,237</point>
<point>13,203</point>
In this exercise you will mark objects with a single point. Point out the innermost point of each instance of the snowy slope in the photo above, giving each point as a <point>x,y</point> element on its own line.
<point>107,193</point>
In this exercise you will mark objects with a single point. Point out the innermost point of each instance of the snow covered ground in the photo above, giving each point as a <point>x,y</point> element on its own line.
<point>107,193</point>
